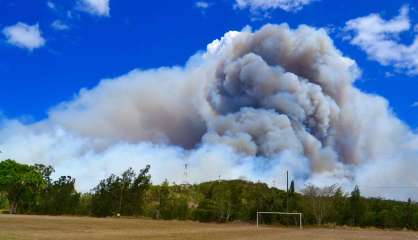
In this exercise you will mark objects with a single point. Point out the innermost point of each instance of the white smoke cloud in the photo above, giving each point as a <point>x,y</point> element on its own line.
<point>255,104</point>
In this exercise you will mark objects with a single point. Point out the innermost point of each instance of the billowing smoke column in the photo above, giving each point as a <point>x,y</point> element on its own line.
<point>254,105</point>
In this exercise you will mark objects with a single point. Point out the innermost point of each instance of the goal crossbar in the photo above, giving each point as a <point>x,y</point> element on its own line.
<point>281,213</point>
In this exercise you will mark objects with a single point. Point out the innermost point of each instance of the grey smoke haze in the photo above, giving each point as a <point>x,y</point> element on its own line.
<point>253,105</point>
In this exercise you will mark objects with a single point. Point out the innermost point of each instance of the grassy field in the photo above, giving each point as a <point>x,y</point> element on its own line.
<point>83,228</point>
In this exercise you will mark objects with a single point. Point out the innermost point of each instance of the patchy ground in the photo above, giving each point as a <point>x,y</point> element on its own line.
<point>84,228</point>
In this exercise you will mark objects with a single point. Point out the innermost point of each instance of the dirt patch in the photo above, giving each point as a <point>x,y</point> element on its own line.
<point>84,228</point>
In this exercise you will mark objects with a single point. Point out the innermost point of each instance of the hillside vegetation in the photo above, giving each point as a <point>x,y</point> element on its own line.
<point>30,190</point>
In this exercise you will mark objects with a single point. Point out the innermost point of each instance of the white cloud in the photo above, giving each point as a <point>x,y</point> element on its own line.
<point>286,5</point>
<point>59,25</point>
<point>202,5</point>
<point>50,5</point>
<point>95,7</point>
<point>24,36</point>
<point>380,39</point>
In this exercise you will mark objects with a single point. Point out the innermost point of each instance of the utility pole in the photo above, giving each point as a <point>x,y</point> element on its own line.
<point>287,191</point>
<point>186,173</point>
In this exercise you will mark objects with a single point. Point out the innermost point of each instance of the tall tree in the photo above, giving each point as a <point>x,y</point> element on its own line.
<point>3,201</point>
<point>125,194</point>
<point>138,190</point>
<point>164,204</point>
<point>357,207</point>
<point>320,201</point>
<point>45,171</point>
<point>60,197</point>
<point>20,182</point>
<point>292,188</point>
<point>106,197</point>
<point>408,214</point>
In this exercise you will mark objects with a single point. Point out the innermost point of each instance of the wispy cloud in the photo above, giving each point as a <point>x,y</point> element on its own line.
<point>24,36</point>
<point>380,39</point>
<point>95,7</point>
<point>202,5</point>
<point>262,5</point>
<point>50,5</point>
<point>59,25</point>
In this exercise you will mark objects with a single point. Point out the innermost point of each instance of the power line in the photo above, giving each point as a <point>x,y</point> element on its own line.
<point>388,186</point>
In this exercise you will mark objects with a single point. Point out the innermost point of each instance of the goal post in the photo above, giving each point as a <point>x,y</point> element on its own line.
<point>281,213</point>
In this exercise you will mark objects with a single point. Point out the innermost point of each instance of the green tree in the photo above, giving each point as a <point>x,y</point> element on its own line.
<point>357,207</point>
<point>292,188</point>
<point>339,204</point>
<point>408,214</point>
<point>206,211</point>
<point>84,205</point>
<point>137,191</point>
<point>106,197</point>
<point>125,194</point>
<point>3,201</point>
<point>320,202</point>
<point>20,182</point>
<point>122,188</point>
<point>164,202</point>
<point>222,197</point>
<point>60,197</point>
<point>45,171</point>
<point>181,208</point>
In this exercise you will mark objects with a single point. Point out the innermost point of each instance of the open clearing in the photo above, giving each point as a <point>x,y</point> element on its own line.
<point>80,228</point>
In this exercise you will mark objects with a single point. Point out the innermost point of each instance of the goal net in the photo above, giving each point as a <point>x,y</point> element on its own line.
<point>297,215</point>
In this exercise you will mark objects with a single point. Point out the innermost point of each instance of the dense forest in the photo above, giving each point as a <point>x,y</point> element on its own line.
<point>28,189</point>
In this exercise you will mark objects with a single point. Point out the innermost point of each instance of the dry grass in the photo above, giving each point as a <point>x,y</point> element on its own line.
<point>83,228</point>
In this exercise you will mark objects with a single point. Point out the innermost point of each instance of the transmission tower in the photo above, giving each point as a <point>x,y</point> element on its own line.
<point>186,174</point>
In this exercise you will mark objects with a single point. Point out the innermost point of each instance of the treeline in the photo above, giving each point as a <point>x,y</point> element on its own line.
<point>30,190</point>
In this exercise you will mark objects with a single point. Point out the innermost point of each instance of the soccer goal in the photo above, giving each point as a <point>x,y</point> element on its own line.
<point>280,213</point>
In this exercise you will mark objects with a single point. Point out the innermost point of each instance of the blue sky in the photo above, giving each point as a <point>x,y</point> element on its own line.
<point>52,50</point>
<point>150,34</point>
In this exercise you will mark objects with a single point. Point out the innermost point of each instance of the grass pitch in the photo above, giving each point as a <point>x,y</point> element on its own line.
<point>84,228</point>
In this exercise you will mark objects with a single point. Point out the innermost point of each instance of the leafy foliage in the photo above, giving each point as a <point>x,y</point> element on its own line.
<point>21,183</point>
<point>123,195</point>
<point>3,201</point>
<point>132,194</point>
<point>60,197</point>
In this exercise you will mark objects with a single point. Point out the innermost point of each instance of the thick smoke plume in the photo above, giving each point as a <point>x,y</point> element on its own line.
<point>253,105</point>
